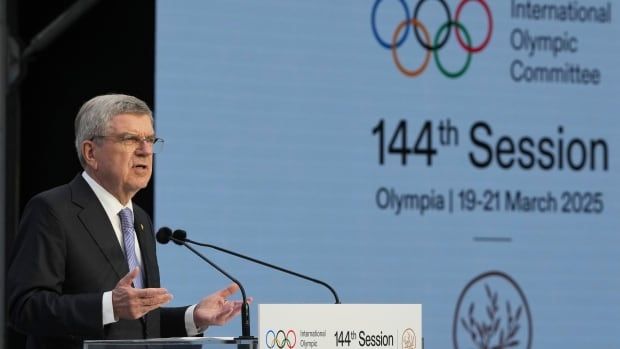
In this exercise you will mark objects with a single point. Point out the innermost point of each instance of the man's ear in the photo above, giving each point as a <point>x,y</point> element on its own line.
<point>89,154</point>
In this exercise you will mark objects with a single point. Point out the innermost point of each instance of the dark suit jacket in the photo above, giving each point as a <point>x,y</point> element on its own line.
<point>65,256</point>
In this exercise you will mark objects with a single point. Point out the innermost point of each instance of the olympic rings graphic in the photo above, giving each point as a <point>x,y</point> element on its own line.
<point>280,339</point>
<point>432,46</point>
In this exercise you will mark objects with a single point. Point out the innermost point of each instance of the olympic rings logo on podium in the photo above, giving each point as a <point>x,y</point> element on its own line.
<point>439,41</point>
<point>280,339</point>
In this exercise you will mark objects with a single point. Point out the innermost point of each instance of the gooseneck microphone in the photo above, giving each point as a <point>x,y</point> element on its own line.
<point>164,235</point>
<point>181,236</point>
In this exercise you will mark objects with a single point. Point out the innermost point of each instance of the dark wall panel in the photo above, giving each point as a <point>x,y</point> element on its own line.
<point>110,49</point>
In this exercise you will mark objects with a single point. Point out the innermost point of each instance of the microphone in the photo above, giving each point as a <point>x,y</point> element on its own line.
<point>181,236</point>
<point>164,235</point>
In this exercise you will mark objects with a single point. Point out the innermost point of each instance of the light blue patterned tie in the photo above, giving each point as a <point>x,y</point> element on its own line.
<point>129,237</point>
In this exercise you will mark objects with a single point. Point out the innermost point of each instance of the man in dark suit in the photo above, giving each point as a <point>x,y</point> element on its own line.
<point>84,263</point>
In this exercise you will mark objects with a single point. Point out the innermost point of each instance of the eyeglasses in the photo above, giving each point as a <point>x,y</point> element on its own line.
<point>131,142</point>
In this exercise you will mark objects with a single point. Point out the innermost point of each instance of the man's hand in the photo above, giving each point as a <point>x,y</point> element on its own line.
<point>132,303</point>
<point>216,309</point>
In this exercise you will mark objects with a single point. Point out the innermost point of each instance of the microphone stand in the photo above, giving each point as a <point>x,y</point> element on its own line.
<point>245,308</point>
<point>181,235</point>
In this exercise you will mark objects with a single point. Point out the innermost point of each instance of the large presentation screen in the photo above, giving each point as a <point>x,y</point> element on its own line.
<point>462,155</point>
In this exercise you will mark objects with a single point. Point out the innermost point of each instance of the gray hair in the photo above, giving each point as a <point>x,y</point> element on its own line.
<point>94,116</point>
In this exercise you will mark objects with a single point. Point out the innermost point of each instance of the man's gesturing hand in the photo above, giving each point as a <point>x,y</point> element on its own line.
<point>216,309</point>
<point>132,303</point>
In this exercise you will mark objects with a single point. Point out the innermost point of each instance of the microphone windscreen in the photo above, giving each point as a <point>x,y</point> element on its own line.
<point>179,236</point>
<point>163,235</point>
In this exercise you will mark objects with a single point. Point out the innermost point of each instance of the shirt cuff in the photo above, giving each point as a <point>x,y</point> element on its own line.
<point>190,325</point>
<point>107,309</point>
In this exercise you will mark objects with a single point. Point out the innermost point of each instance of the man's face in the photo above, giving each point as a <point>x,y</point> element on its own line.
<point>121,168</point>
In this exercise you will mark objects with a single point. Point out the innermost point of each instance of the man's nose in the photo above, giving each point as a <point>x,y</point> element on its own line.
<point>145,147</point>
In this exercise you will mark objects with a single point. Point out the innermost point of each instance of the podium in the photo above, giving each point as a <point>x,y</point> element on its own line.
<point>307,326</point>
<point>340,326</point>
<point>174,343</point>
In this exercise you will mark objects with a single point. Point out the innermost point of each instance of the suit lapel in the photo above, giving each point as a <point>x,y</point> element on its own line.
<point>144,233</point>
<point>145,238</point>
<point>98,225</point>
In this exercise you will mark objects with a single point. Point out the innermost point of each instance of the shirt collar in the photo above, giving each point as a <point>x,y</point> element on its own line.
<point>110,204</point>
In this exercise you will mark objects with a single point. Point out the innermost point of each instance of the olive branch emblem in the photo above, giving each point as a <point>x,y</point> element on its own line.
<point>494,332</point>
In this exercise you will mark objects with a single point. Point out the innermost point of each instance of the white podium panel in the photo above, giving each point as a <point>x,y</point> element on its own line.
<point>340,326</point>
